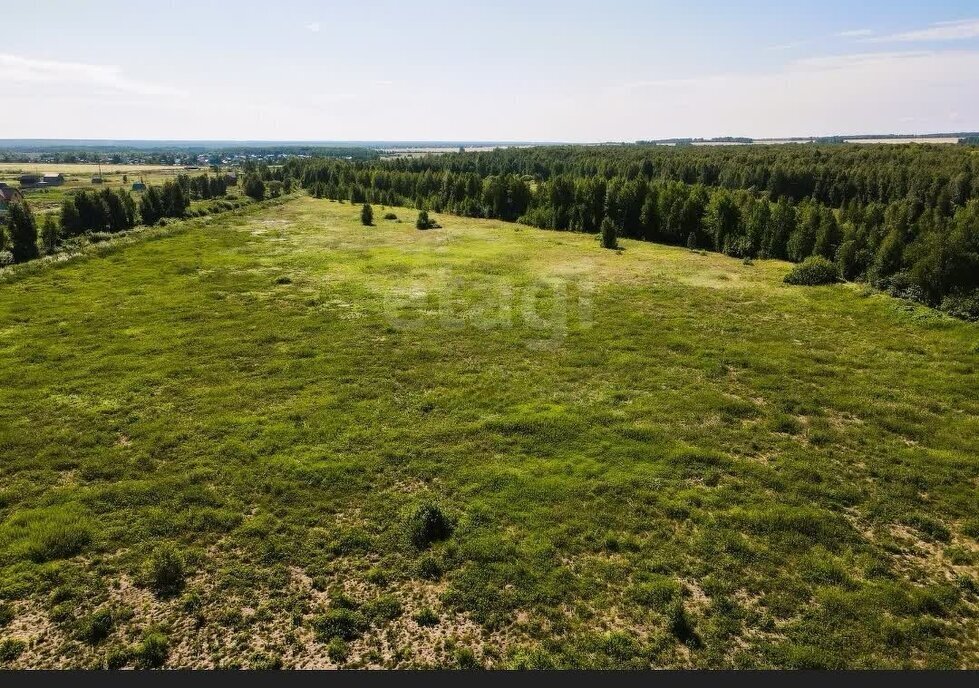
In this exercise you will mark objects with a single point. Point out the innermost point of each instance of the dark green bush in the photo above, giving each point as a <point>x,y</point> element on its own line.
<point>164,572</point>
<point>383,608</point>
<point>426,617</point>
<point>6,614</point>
<point>11,649</point>
<point>425,222</point>
<point>117,657</point>
<point>337,651</point>
<point>429,567</point>
<point>390,216</point>
<point>813,271</point>
<point>345,624</point>
<point>153,651</point>
<point>95,628</point>
<point>428,523</point>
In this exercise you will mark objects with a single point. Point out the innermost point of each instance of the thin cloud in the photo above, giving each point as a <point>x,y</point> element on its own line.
<point>856,33</point>
<point>313,26</point>
<point>959,30</point>
<point>787,46</point>
<point>885,91</point>
<point>16,69</point>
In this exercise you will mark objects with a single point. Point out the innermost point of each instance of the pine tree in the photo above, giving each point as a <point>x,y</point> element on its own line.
<point>367,215</point>
<point>70,221</point>
<point>23,232</point>
<point>609,238</point>
<point>49,233</point>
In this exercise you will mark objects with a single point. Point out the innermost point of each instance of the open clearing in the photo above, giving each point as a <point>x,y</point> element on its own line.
<point>653,457</point>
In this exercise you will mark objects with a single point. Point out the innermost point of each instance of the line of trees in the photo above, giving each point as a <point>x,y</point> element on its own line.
<point>905,218</point>
<point>106,210</point>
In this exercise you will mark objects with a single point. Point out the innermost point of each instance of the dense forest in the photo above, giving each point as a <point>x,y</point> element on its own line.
<point>904,218</point>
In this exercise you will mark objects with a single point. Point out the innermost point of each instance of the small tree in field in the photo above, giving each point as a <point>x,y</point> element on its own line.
<point>50,233</point>
<point>692,241</point>
<point>423,222</point>
<point>367,215</point>
<point>255,187</point>
<point>609,238</point>
<point>23,233</point>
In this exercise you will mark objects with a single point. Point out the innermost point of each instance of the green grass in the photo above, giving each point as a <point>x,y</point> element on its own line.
<point>650,457</point>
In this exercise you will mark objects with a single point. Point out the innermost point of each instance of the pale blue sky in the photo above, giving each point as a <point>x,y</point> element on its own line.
<point>503,70</point>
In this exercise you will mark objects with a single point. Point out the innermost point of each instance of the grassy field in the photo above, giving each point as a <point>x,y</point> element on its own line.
<point>285,439</point>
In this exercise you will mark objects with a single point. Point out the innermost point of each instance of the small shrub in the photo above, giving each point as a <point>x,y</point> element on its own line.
<point>964,306</point>
<point>465,658</point>
<point>429,567</point>
<point>383,608</point>
<point>95,628</point>
<point>428,523</point>
<point>11,649</point>
<point>390,216</point>
<point>337,651</point>
<point>263,662</point>
<point>117,657</point>
<point>62,612</point>
<point>785,423</point>
<point>678,623</point>
<point>426,617</point>
<point>930,527</point>
<point>285,279</point>
<point>165,570</point>
<point>341,600</point>
<point>344,624</point>
<point>425,222</point>
<point>377,576</point>
<point>6,614</point>
<point>153,651</point>
<point>813,271</point>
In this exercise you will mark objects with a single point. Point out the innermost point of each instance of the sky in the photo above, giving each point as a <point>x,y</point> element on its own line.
<point>501,70</point>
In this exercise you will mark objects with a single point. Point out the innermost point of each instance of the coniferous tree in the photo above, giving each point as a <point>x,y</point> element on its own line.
<point>49,233</point>
<point>255,187</point>
<point>609,236</point>
<point>366,215</point>
<point>70,220</point>
<point>23,232</point>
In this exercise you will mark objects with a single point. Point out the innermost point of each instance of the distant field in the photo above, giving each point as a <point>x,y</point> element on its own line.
<point>906,140</point>
<point>7,168</point>
<point>652,457</point>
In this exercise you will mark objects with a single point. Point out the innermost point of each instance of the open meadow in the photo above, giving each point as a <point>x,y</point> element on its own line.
<point>279,438</point>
